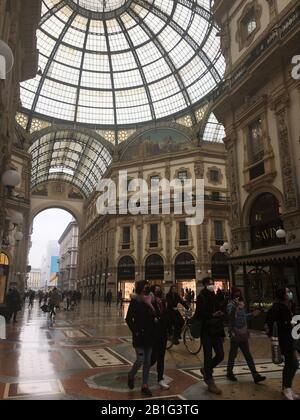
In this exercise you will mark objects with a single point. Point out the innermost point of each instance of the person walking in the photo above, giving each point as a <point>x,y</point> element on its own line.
<point>31,299</point>
<point>239,336</point>
<point>213,334</point>
<point>54,300</point>
<point>281,314</point>
<point>93,296</point>
<point>40,296</point>
<point>13,303</point>
<point>160,335</point>
<point>109,297</point>
<point>141,321</point>
<point>176,320</point>
<point>120,299</point>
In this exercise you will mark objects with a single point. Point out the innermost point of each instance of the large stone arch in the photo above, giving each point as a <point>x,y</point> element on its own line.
<point>38,205</point>
<point>252,197</point>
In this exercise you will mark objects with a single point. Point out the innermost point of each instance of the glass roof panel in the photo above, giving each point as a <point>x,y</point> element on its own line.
<point>123,62</point>
<point>69,156</point>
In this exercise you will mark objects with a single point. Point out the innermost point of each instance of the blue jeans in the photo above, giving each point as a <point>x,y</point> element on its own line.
<point>143,358</point>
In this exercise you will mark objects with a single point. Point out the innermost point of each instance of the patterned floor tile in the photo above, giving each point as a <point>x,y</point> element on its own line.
<point>105,357</point>
<point>22,389</point>
<point>239,370</point>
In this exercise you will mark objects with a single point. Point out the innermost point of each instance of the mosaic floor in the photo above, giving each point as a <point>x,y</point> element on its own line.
<point>86,354</point>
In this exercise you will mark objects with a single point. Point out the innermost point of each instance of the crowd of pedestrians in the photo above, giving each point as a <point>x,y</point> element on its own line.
<point>152,317</point>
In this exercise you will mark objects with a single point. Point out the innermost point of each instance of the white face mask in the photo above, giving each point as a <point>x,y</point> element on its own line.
<point>211,288</point>
<point>290,296</point>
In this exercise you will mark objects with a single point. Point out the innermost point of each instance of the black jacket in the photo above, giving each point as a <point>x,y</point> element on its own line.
<point>162,322</point>
<point>207,305</point>
<point>13,301</point>
<point>281,314</point>
<point>140,320</point>
<point>173,300</point>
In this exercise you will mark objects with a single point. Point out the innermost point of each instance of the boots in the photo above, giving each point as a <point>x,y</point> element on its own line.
<point>213,389</point>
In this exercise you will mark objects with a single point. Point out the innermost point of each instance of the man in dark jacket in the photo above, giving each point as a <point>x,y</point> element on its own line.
<point>141,321</point>
<point>213,334</point>
<point>13,303</point>
<point>176,320</point>
<point>281,314</point>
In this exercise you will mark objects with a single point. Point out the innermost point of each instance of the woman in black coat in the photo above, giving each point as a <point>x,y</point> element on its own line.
<point>160,335</point>
<point>282,314</point>
<point>173,300</point>
<point>141,321</point>
<point>13,303</point>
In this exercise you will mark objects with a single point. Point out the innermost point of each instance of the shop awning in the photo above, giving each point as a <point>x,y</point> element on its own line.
<point>266,256</point>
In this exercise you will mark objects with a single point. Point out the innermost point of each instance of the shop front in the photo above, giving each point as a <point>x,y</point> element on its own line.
<point>259,276</point>
<point>185,273</point>
<point>271,262</point>
<point>220,271</point>
<point>4,272</point>
<point>126,277</point>
<point>154,270</point>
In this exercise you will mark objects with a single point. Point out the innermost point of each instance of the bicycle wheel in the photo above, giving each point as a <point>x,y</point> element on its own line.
<point>193,345</point>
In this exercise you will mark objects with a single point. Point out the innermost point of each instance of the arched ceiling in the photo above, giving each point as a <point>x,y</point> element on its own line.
<point>120,63</point>
<point>71,156</point>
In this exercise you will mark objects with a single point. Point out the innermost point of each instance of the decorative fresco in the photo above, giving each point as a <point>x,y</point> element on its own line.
<point>157,142</point>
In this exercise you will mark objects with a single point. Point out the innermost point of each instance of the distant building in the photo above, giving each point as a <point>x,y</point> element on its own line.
<point>49,267</point>
<point>34,279</point>
<point>68,253</point>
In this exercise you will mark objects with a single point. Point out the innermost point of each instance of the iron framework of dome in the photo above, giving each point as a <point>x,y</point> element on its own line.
<point>120,63</point>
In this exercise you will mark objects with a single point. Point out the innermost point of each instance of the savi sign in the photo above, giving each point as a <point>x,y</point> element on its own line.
<point>6,60</point>
<point>265,235</point>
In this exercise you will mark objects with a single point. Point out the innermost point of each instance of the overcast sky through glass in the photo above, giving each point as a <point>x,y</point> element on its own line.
<point>47,226</point>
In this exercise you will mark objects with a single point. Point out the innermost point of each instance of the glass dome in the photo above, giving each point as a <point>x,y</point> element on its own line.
<point>116,63</point>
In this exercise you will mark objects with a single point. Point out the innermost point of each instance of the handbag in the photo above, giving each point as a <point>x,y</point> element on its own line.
<point>240,335</point>
<point>196,327</point>
<point>277,357</point>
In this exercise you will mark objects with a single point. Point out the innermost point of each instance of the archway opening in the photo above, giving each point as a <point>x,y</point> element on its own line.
<point>154,269</point>
<point>53,254</point>
<point>185,273</point>
<point>126,276</point>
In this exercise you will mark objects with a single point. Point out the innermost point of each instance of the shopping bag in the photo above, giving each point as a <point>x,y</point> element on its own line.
<point>277,357</point>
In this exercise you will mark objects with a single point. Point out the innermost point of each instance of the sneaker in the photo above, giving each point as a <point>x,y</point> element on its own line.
<point>296,396</point>
<point>258,379</point>
<point>146,392</point>
<point>288,394</point>
<point>203,374</point>
<point>213,389</point>
<point>163,385</point>
<point>231,377</point>
<point>130,382</point>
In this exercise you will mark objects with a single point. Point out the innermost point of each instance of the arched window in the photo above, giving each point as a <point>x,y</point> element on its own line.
<point>185,267</point>
<point>154,268</point>
<point>265,221</point>
<point>126,269</point>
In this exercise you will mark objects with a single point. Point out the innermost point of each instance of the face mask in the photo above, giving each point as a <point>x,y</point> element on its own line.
<point>211,288</point>
<point>290,296</point>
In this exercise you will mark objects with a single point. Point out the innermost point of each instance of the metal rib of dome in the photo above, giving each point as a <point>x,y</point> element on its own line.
<point>153,59</point>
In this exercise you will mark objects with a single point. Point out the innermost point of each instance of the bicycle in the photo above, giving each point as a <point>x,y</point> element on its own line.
<point>193,345</point>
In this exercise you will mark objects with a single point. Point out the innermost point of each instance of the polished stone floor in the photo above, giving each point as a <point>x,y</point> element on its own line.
<point>86,354</point>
